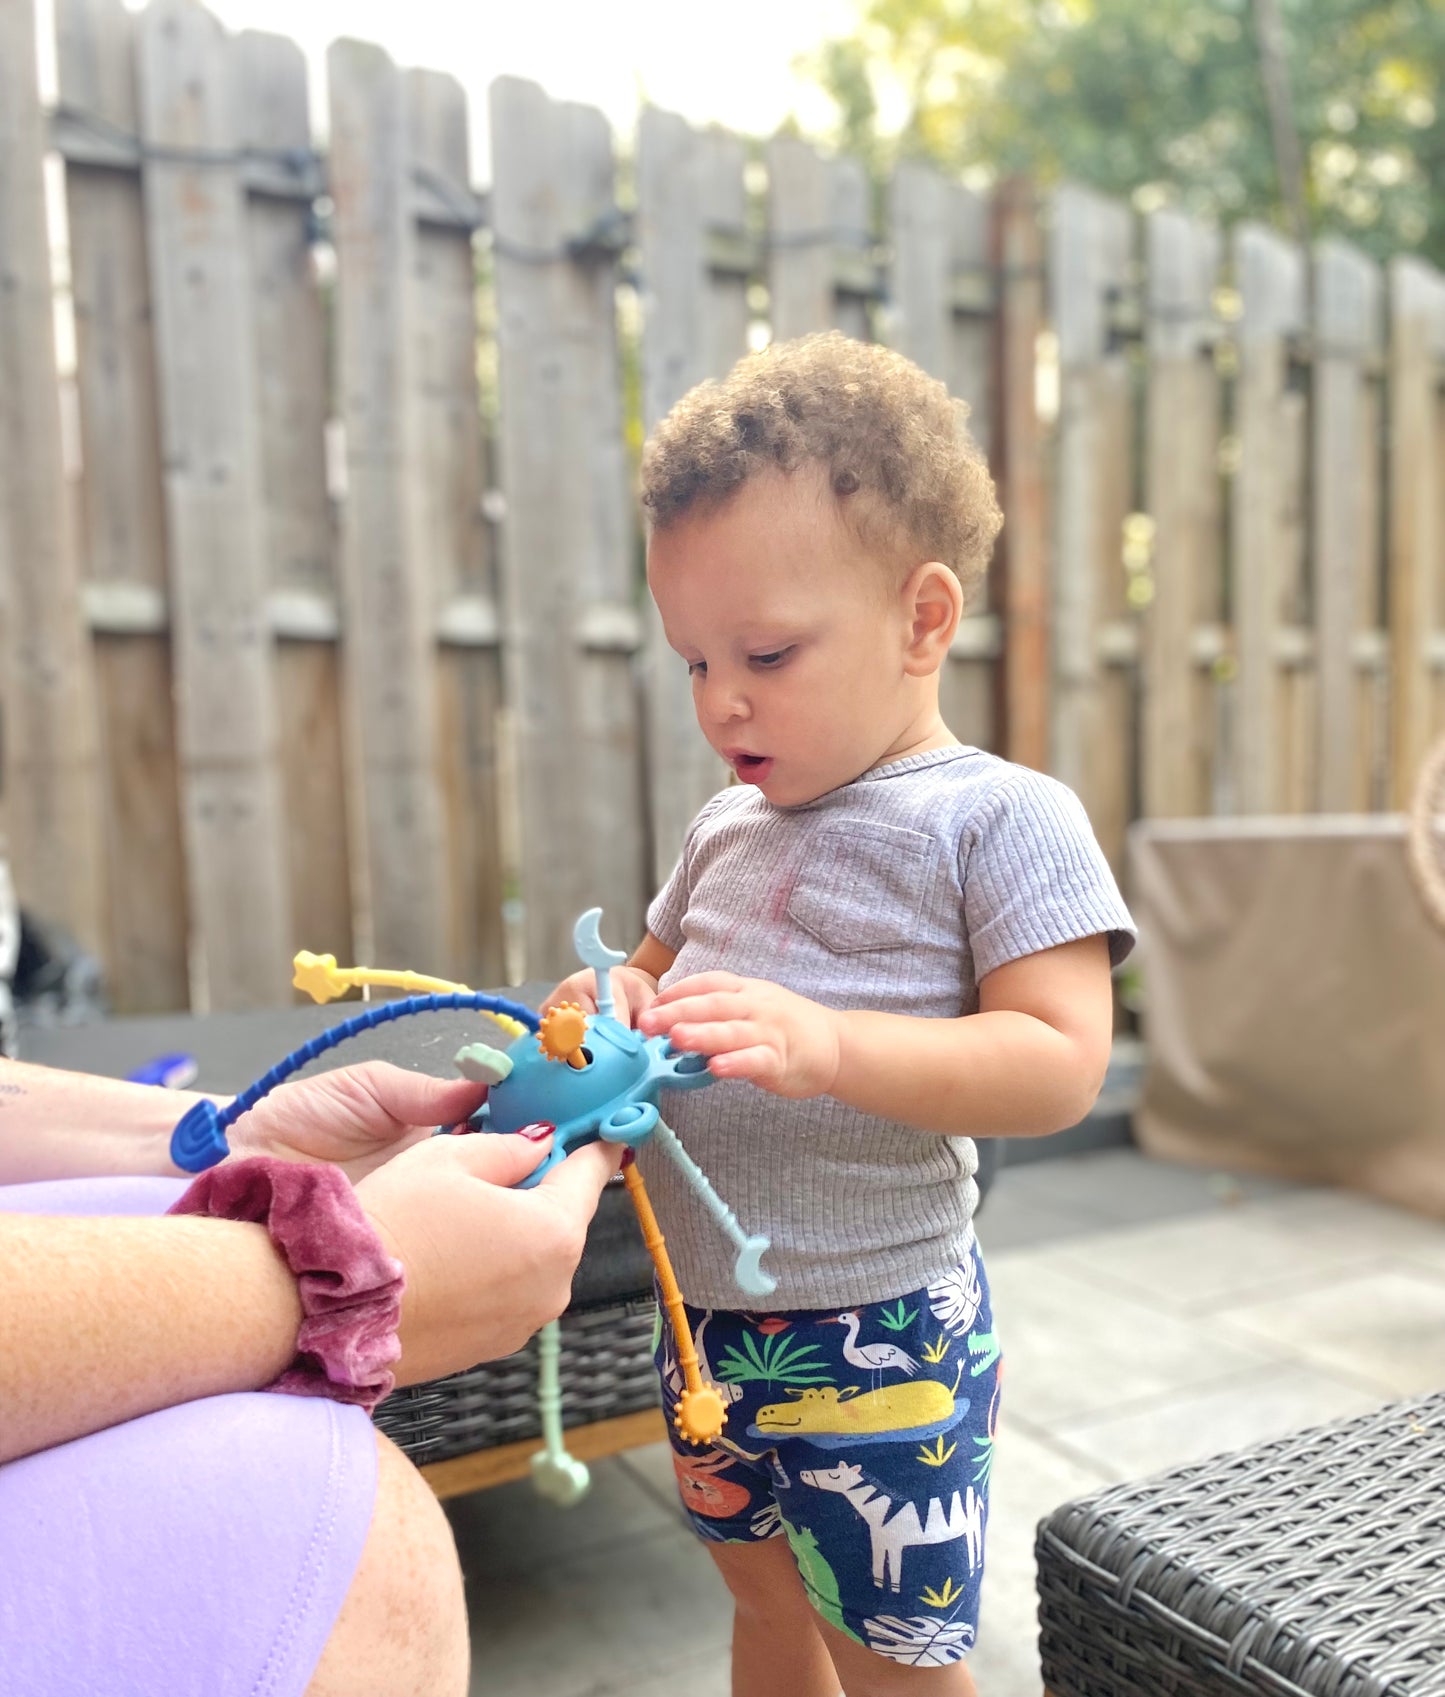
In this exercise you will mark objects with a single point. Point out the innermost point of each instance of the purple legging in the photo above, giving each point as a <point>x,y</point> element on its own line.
<point>206,1548</point>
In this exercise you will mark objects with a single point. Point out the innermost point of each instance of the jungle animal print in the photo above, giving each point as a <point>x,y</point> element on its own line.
<point>864,1437</point>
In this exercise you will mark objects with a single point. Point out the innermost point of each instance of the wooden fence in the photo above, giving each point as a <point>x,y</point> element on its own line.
<point>321,620</point>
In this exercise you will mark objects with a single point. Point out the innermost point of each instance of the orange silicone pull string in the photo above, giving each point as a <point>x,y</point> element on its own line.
<point>699,1413</point>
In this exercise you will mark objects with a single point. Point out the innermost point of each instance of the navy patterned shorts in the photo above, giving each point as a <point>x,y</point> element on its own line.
<point>865,1437</point>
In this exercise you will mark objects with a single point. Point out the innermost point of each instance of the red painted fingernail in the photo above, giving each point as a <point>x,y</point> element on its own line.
<point>538,1130</point>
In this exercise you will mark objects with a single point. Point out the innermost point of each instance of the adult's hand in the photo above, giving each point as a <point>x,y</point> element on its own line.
<point>486,1265</point>
<point>357,1117</point>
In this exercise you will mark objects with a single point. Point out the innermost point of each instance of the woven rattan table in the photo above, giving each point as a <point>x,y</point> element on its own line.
<point>1310,1566</point>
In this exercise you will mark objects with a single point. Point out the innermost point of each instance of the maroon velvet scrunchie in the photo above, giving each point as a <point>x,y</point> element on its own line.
<point>350,1287</point>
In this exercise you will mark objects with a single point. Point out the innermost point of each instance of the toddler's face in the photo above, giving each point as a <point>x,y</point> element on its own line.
<point>793,635</point>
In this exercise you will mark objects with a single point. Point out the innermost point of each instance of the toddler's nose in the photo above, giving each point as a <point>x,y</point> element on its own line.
<point>723,701</point>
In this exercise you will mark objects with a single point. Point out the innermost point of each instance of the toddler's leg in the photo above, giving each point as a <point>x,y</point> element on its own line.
<point>862,1674</point>
<point>777,1648</point>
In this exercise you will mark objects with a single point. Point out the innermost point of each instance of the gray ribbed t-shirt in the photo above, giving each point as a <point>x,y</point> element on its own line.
<point>897,892</point>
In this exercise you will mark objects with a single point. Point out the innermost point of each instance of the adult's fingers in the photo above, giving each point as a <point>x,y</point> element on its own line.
<point>416,1098</point>
<point>495,1157</point>
<point>578,1182</point>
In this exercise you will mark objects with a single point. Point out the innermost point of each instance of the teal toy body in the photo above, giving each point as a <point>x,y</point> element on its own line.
<point>600,1079</point>
<point>612,1095</point>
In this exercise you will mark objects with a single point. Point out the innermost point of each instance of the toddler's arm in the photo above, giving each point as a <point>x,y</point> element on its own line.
<point>1029,1062</point>
<point>634,986</point>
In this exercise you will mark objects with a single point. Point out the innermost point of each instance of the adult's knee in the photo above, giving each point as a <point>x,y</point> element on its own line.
<point>402,1629</point>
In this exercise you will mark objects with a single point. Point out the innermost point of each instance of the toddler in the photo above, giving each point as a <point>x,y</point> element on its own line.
<point>886,942</point>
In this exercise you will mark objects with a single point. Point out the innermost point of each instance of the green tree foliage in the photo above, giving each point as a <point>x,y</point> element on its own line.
<point>1162,100</point>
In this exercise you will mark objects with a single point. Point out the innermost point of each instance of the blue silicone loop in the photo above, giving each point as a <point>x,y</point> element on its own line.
<point>199,1140</point>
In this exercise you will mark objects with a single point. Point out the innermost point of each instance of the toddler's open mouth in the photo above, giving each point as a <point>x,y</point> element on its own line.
<point>752,768</point>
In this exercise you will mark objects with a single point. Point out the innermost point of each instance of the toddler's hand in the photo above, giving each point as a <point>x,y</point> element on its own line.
<point>486,1265</point>
<point>632,991</point>
<point>752,1029</point>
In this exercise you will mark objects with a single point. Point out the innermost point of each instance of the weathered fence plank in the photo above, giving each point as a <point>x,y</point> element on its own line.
<point>821,270</point>
<point>941,315</point>
<point>289,320</point>
<point>226,719</point>
<point>570,540</point>
<point>452,542</point>
<point>1021,595</point>
<point>696,264</point>
<point>50,787</point>
<point>1182,483</point>
<point>122,520</point>
<point>1417,524</point>
<point>1092,276</point>
<point>1268,515</point>
<point>1346,531</point>
<point>403,917</point>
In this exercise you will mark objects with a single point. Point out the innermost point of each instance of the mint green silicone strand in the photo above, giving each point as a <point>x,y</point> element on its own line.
<point>549,1389</point>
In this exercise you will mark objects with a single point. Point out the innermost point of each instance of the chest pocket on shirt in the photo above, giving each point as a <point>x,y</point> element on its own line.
<point>862,887</point>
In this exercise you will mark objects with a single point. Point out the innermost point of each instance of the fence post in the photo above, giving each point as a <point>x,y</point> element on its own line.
<point>572,619</point>
<point>1023,688</point>
<point>697,261</point>
<point>389,661</point>
<point>452,547</point>
<point>1346,529</point>
<point>943,314</point>
<point>1417,531</point>
<point>1182,445</point>
<point>1091,274</point>
<point>49,777</point>
<point>1268,516</point>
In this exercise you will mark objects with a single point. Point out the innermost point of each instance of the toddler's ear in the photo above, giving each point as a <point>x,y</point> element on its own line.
<point>933,600</point>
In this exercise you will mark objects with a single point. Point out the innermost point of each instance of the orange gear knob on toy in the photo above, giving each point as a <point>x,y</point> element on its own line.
<point>699,1415</point>
<point>561,1033</point>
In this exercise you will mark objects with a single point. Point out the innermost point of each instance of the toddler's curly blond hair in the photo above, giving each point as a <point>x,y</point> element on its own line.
<point>894,445</point>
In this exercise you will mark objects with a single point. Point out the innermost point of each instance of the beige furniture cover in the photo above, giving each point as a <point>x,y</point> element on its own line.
<point>1294,1002</point>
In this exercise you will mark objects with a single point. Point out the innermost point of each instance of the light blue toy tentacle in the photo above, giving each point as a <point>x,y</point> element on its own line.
<point>558,1476</point>
<point>748,1271</point>
<point>593,952</point>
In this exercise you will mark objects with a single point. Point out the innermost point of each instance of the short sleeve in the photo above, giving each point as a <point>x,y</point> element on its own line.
<point>666,910</point>
<point>1034,876</point>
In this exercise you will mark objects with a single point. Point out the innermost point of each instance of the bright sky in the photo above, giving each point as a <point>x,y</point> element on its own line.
<point>728,61</point>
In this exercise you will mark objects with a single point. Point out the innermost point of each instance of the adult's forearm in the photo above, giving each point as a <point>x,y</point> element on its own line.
<point>56,1124</point>
<point>107,1319</point>
<point>998,1074</point>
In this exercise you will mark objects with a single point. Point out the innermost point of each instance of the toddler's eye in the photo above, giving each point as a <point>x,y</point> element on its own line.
<point>769,661</point>
<point>697,668</point>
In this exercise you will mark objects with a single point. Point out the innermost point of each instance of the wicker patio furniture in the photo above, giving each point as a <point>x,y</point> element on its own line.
<point>1310,1566</point>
